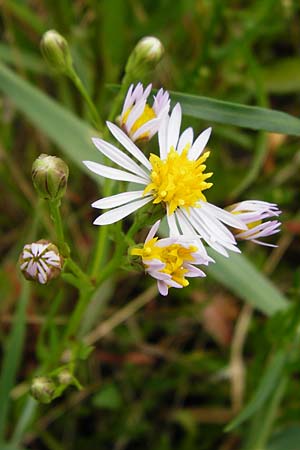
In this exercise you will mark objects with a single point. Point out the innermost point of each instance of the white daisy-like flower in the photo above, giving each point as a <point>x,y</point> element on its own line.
<point>170,260</point>
<point>176,178</point>
<point>253,214</point>
<point>140,120</point>
<point>40,261</point>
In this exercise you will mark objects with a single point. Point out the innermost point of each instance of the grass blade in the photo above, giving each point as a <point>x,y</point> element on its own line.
<point>253,117</point>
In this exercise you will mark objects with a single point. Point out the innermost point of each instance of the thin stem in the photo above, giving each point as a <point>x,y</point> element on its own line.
<point>97,122</point>
<point>73,266</point>
<point>56,218</point>
<point>76,316</point>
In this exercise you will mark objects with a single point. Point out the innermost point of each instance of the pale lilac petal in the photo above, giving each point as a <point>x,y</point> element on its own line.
<point>128,100</point>
<point>119,213</point>
<point>162,287</point>
<point>135,113</point>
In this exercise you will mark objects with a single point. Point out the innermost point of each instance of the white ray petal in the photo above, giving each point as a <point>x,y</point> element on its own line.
<point>117,200</point>
<point>119,213</point>
<point>172,224</point>
<point>193,271</point>
<point>174,127</point>
<point>199,144</point>
<point>128,144</point>
<point>113,174</point>
<point>162,287</point>
<point>185,139</point>
<point>149,127</point>
<point>120,158</point>
<point>223,215</point>
<point>135,113</point>
<point>189,231</point>
<point>152,231</point>
<point>162,137</point>
<point>214,225</point>
<point>128,100</point>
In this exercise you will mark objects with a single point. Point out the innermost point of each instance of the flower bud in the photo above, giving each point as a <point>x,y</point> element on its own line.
<point>40,261</point>
<point>144,57</point>
<point>50,176</point>
<point>43,389</point>
<point>65,377</point>
<point>55,50</point>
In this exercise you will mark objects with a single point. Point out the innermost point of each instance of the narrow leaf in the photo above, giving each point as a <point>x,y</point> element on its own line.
<point>268,383</point>
<point>252,117</point>
<point>71,134</point>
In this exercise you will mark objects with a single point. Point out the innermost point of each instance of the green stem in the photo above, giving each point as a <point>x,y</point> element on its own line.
<point>76,316</point>
<point>97,122</point>
<point>73,266</point>
<point>59,230</point>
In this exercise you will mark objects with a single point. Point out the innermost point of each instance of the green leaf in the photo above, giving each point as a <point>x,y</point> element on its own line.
<point>252,117</point>
<point>68,132</point>
<point>286,439</point>
<point>267,385</point>
<point>242,278</point>
<point>12,355</point>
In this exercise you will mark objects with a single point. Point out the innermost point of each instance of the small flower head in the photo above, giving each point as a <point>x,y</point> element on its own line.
<point>40,261</point>
<point>55,50</point>
<point>253,214</point>
<point>140,120</point>
<point>50,176</point>
<point>176,179</point>
<point>43,389</point>
<point>171,260</point>
<point>144,58</point>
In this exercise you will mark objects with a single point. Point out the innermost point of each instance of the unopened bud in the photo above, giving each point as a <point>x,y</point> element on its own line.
<point>144,57</point>
<point>43,389</point>
<point>50,176</point>
<point>40,261</point>
<point>65,377</point>
<point>55,50</point>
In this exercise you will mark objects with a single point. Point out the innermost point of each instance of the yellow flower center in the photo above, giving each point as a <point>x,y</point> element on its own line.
<point>178,181</point>
<point>173,256</point>
<point>146,115</point>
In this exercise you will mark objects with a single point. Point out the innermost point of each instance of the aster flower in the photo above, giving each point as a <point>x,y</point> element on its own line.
<point>40,261</point>
<point>176,179</point>
<point>170,260</point>
<point>253,213</point>
<point>140,120</point>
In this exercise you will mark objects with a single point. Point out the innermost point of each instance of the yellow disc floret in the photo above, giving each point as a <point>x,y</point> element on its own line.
<point>173,257</point>
<point>178,181</point>
<point>147,114</point>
